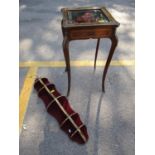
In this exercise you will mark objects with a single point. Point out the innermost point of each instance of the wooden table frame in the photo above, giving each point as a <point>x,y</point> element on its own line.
<point>87,31</point>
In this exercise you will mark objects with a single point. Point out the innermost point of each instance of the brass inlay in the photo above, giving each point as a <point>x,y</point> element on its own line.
<point>77,130</point>
<point>67,119</point>
<point>63,110</point>
<point>52,102</point>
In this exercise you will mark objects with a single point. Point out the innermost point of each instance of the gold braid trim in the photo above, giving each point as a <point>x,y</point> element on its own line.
<point>44,87</point>
<point>63,110</point>
<point>67,119</point>
<point>77,130</point>
<point>49,104</point>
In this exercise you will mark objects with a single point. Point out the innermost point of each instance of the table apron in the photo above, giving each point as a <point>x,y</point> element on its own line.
<point>86,34</point>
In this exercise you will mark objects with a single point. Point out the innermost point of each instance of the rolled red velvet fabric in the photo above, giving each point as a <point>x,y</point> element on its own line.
<point>59,107</point>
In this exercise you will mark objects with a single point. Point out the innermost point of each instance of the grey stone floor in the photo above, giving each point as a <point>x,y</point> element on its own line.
<point>109,117</point>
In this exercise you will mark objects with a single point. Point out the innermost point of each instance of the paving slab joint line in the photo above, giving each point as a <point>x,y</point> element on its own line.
<point>25,94</point>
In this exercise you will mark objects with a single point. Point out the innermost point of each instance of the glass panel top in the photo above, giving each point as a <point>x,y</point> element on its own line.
<point>86,16</point>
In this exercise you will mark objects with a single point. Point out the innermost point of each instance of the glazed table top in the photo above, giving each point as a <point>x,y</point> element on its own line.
<point>87,16</point>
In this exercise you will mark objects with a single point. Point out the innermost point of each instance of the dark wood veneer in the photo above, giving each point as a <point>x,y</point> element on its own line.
<point>87,30</point>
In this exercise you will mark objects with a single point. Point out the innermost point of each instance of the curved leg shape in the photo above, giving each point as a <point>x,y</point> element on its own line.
<point>114,42</point>
<point>63,46</point>
<point>96,53</point>
<point>67,60</point>
<point>63,43</point>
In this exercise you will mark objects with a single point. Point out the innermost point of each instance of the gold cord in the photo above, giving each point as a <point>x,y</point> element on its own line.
<point>67,119</point>
<point>63,110</point>
<point>52,102</point>
<point>77,130</point>
<point>43,88</point>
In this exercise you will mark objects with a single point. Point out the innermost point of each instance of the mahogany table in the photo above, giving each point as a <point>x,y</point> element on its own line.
<point>85,23</point>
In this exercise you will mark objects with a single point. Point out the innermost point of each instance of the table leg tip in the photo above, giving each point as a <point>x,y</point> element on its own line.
<point>103,90</point>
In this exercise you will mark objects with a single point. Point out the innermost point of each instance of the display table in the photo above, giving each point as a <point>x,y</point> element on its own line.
<point>85,23</point>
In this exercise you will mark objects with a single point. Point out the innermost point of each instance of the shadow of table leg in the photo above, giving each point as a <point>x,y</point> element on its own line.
<point>96,132</point>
